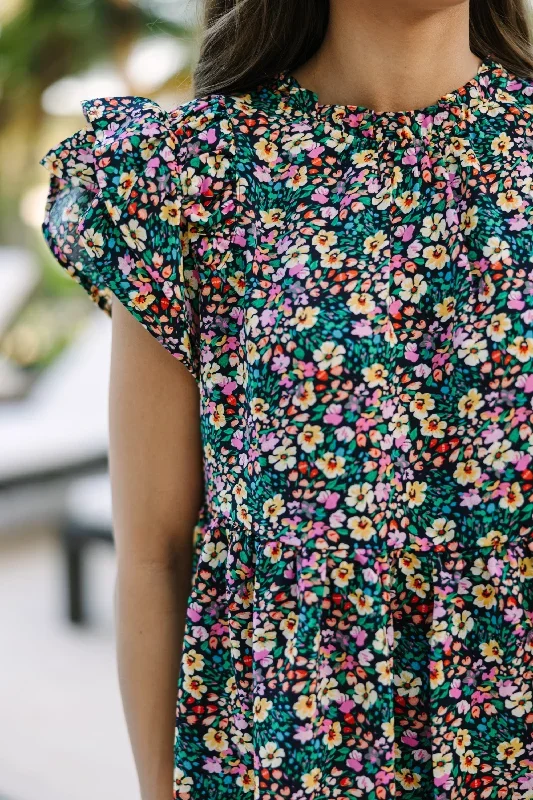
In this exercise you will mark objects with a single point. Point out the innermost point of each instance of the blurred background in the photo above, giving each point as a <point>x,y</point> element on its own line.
<point>62,734</point>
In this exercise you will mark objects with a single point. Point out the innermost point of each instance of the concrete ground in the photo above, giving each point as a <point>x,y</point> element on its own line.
<point>62,733</point>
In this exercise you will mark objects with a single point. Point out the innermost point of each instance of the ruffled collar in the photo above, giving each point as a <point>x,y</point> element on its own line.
<point>455,113</point>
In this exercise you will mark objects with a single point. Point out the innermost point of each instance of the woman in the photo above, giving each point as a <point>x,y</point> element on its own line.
<point>341,408</point>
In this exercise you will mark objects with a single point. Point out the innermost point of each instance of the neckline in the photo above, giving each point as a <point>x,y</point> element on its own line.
<point>454,110</point>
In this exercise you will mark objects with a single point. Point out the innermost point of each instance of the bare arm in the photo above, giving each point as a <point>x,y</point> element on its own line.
<point>156,477</point>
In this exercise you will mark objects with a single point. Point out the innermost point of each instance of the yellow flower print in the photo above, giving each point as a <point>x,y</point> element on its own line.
<point>305,396</point>
<point>436,256</point>
<point>333,259</point>
<point>441,530</point>
<point>263,639</point>
<point>274,507</point>
<point>462,624</point>
<point>433,426</point>
<point>298,179</point>
<point>469,762</point>
<point>442,764</point>
<point>339,140</point>
<point>496,250</point>
<point>421,404</point>
<point>521,348</point>
<point>217,165</point>
<point>248,781</point>
<point>509,200</point>
<point>499,455</point>
<point>365,694</point>
<point>309,437</point>
<point>415,493</point>
<point>360,496</point>
<point>311,780</point>
<point>384,672</point>
<point>494,539</point>
<point>171,212</point>
<point>407,201</point>
<point>361,528</point>
<point>433,226</point>
<point>148,148</point>
<point>273,218</point>
<point>408,779</point>
<point>474,350</point>
<point>409,562</point>
<point>510,751</point>
<point>271,755</point>
<point>501,144</point>
<point>283,457</point>
<point>498,326</point>
<point>374,244</point>
<point>342,574</point>
<point>192,662</point>
<point>258,408</point>
<point>244,516</point>
<point>461,740</point>
<point>467,472</point>
<point>375,375</point>
<point>333,736</point>
<point>470,403</point>
<point>445,309</point>
<point>182,783</point>
<point>407,684</point>
<point>126,182</point>
<point>261,708</point>
<point>469,219</point>
<point>194,686</point>
<point>485,595</point>
<point>190,181</point>
<point>491,651</point>
<point>216,739</point>
<point>305,317</point>
<point>513,497</point>
<point>305,706</point>
<point>266,150</point>
<point>324,241</point>
<point>361,303</point>
<point>214,553</point>
<point>331,465</point>
<point>364,158</point>
<point>412,289</point>
<point>329,355</point>
<point>519,702</point>
<point>92,241</point>
<point>526,568</point>
<point>218,417</point>
<point>364,603</point>
<point>289,625</point>
<point>417,584</point>
<point>134,235</point>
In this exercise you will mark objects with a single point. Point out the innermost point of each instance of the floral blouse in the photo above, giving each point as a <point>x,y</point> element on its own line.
<point>353,293</point>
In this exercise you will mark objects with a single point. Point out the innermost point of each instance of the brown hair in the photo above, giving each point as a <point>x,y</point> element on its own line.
<point>248,41</point>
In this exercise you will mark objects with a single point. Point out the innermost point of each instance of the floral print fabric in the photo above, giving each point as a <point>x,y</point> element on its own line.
<point>353,292</point>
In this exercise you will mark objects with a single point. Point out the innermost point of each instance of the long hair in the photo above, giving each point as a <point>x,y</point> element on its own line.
<point>247,41</point>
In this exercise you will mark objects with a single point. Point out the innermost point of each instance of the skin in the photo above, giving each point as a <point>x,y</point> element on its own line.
<point>156,478</point>
<point>382,54</point>
<point>391,55</point>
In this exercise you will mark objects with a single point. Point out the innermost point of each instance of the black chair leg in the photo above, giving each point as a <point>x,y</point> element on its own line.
<point>73,548</point>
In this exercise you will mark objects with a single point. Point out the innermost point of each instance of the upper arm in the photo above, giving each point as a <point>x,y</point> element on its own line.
<point>155,445</point>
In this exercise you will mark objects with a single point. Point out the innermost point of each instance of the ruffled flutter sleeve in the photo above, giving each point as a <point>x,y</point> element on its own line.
<point>124,195</point>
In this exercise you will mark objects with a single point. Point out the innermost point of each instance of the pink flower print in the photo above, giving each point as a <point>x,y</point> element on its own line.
<point>329,499</point>
<point>126,264</point>
<point>320,195</point>
<point>334,414</point>
<point>515,300</point>
<point>411,352</point>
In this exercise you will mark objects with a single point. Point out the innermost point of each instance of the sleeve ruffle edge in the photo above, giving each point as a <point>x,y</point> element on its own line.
<point>125,196</point>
